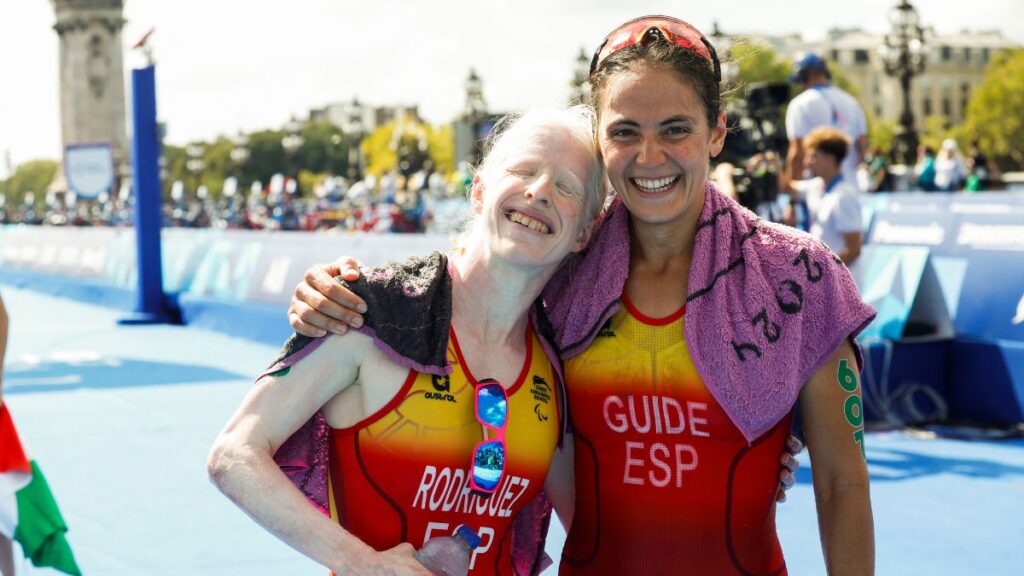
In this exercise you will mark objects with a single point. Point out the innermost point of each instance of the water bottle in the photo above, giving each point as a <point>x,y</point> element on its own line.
<point>449,556</point>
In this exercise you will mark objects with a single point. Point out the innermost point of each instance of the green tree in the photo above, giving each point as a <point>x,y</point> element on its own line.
<point>32,176</point>
<point>934,130</point>
<point>758,63</point>
<point>442,148</point>
<point>266,156</point>
<point>216,156</point>
<point>309,180</point>
<point>377,152</point>
<point>324,148</point>
<point>324,151</point>
<point>761,63</point>
<point>881,133</point>
<point>841,81</point>
<point>379,147</point>
<point>995,113</point>
<point>217,165</point>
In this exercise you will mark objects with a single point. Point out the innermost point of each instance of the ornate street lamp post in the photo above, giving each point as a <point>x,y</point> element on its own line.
<point>291,143</point>
<point>240,153</point>
<point>232,206</point>
<point>162,163</point>
<point>410,145</point>
<point>195,164</point>
<point>476,107</point>
<point>580,84</point>
<point>904,57</point>
<point>475,112</point>
<point>355,140</point>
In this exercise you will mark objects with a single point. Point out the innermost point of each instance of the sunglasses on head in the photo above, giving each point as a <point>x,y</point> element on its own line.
<point>489,455</point>
<point>650,28</point>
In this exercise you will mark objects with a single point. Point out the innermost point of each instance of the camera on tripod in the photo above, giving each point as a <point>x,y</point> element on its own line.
<point>756,144</point>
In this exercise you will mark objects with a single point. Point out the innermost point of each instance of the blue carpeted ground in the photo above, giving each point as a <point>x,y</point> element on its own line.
<point>121,418</point>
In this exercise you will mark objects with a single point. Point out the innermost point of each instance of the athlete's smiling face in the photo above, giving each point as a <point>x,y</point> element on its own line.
<point>534,202</point>
<point>656,143</point>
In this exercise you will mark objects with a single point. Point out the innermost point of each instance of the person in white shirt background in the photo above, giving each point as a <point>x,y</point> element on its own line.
<point>823,104</point>
<point>950,169</point>
<point>832,199</point>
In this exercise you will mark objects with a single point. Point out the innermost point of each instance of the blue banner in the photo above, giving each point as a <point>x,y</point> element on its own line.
<point>238,265</point>
<point>991,303</point>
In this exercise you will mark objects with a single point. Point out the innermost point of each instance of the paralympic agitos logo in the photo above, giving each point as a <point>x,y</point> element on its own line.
<point>542,392</point>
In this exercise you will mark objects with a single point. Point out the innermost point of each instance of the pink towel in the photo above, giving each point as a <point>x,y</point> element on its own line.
<point>767,306</point>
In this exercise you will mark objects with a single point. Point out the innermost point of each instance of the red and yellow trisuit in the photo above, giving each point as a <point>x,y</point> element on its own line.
<point>400,475</point>
<point>665,482</point>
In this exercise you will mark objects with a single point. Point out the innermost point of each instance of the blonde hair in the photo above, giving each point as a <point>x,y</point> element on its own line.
<point>516,131</point>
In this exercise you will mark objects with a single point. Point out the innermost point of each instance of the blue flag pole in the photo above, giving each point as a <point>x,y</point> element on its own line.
<point>152,306</point>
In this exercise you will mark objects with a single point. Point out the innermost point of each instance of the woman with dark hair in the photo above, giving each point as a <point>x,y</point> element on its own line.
<point>689,330</point>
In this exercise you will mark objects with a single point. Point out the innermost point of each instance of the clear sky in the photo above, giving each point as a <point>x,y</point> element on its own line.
<point>226,65</point>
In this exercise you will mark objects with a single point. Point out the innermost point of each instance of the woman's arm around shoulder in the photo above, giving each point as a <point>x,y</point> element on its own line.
<point>833,421</point>
<point>321,304</point>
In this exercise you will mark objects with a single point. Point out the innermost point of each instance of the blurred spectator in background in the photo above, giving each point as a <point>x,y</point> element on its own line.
<point>879,179</point>
<point>832,200</point>
<point>982,172</point>
<point>950,169</point>
<point>925,168</point>
<point>391,204</point>
<point>822,104</point>
<point>722,176</point>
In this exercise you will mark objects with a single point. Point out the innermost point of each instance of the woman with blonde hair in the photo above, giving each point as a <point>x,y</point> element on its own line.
<point>446,406</point>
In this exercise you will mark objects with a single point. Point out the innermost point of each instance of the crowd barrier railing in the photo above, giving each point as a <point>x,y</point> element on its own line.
<point>235,281</point>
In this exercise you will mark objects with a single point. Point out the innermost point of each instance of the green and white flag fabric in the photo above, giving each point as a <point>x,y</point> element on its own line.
<point>28,512</point>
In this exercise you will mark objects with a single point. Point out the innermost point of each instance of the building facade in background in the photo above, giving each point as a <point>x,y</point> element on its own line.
<point>353,117</point>
<point>955,65</point>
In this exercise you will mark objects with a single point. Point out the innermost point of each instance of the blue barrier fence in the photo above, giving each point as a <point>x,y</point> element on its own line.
<point>944,271</point>
<point>234,281</point>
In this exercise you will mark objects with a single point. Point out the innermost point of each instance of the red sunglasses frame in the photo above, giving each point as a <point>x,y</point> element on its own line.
<point>674,30</point>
